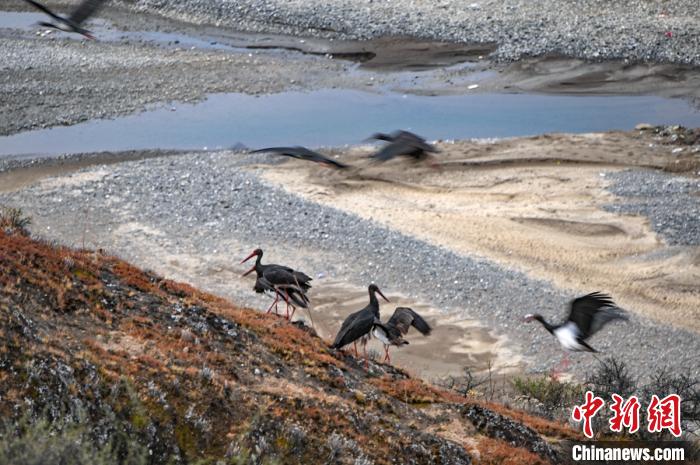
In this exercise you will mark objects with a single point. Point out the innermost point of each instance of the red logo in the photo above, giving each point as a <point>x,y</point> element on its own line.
<point>665,414</point>
<point>661,414</point>
<point>587,411</point>
<point>625,414</point>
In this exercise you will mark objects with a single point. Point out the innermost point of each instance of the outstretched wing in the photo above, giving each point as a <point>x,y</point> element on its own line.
<point>593,311</point>
<point>85,10</point>
<point>302,153</point>
<point>44,9</point>
<point>404,317</point>
<point>393,149</point>
<point>295,152</point>
<point>415,140</point>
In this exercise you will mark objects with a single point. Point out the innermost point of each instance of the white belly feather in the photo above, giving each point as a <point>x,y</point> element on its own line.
<point>568,337</point>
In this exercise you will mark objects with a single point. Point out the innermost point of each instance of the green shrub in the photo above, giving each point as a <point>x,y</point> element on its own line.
<point>552,395</point>
<point>41,442</point>
<point>12,220</point>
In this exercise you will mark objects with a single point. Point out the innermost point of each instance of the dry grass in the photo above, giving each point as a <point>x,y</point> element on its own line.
<point>497,452</point>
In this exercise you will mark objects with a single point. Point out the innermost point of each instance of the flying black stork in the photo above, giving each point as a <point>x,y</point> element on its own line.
<point>403,143</point>
<point>72,23</point>
<point>391,333</point>
<point>358,325</point>
<point>587,315</point>
<point>282,281</point>
<point>302,153</point>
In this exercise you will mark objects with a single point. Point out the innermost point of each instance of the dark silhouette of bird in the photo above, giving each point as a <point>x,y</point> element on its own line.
<point>358,325</point>
<point>283,285</point>
<point>403,143</point>
<point>72,23</point>
<point>282,281</point>
<point>392,332</point>
<point>588,314</point>
<point>302,153</point>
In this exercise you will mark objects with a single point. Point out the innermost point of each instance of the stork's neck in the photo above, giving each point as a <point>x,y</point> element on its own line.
<point>374,303</point>
<point>546,325</point>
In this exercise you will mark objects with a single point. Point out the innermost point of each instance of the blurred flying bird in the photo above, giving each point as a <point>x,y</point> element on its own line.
<point>403,143</point>
<point>72,23</point>
<point>588,314</point>
<point>302,153</point>
<point>392,332</point>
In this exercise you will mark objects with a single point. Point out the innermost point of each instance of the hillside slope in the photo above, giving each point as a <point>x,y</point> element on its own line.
<point>192,377</point>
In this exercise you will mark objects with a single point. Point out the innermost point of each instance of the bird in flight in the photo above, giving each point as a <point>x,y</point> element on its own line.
<point>72,23</point>
<point>302,153</point>
<point>587,315</point>
<point>403,143</point>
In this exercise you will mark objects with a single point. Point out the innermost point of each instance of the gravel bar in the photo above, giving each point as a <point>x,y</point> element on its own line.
<point>672,203</point>
<point>636,30</point>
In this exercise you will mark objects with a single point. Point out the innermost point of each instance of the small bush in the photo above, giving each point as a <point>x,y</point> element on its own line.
<point>12,220</point>
<point>612,377</point>
<point>42,442</point>
<point>552,395</point>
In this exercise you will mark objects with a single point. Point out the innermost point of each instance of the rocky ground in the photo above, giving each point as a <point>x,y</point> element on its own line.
<point>635,30</point>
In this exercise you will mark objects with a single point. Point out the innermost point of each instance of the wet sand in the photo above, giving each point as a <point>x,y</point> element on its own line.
<point>454,344</point>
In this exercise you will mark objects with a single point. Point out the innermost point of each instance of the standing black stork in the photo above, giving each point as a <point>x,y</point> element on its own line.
<point>283,281</point>
<point>587,316</point>
<point>302,153</point>
<point>403,143</point>
<point>392,332</point>
<point>72,23</point>
<point>359,325</point>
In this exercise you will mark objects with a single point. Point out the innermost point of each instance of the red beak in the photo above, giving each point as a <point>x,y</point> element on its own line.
<point>249,271</point>
<point>380,293</point>
<point>252,254</point>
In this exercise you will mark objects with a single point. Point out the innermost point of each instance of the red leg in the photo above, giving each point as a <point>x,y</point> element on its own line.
<point>566,362</point>
<point>274,304</point>
<point>354,344</point>
<point>386,352</point>
<point>294,309</point>
<point>364,352</point>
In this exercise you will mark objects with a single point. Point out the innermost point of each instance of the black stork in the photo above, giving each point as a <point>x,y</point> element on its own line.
<point>391,333</point>
<point>302,153</point>
<point>587,315</point>
<point>403,143</point>
<point>283,281</point>
<point>72,23</point>
<point>358,325</point>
